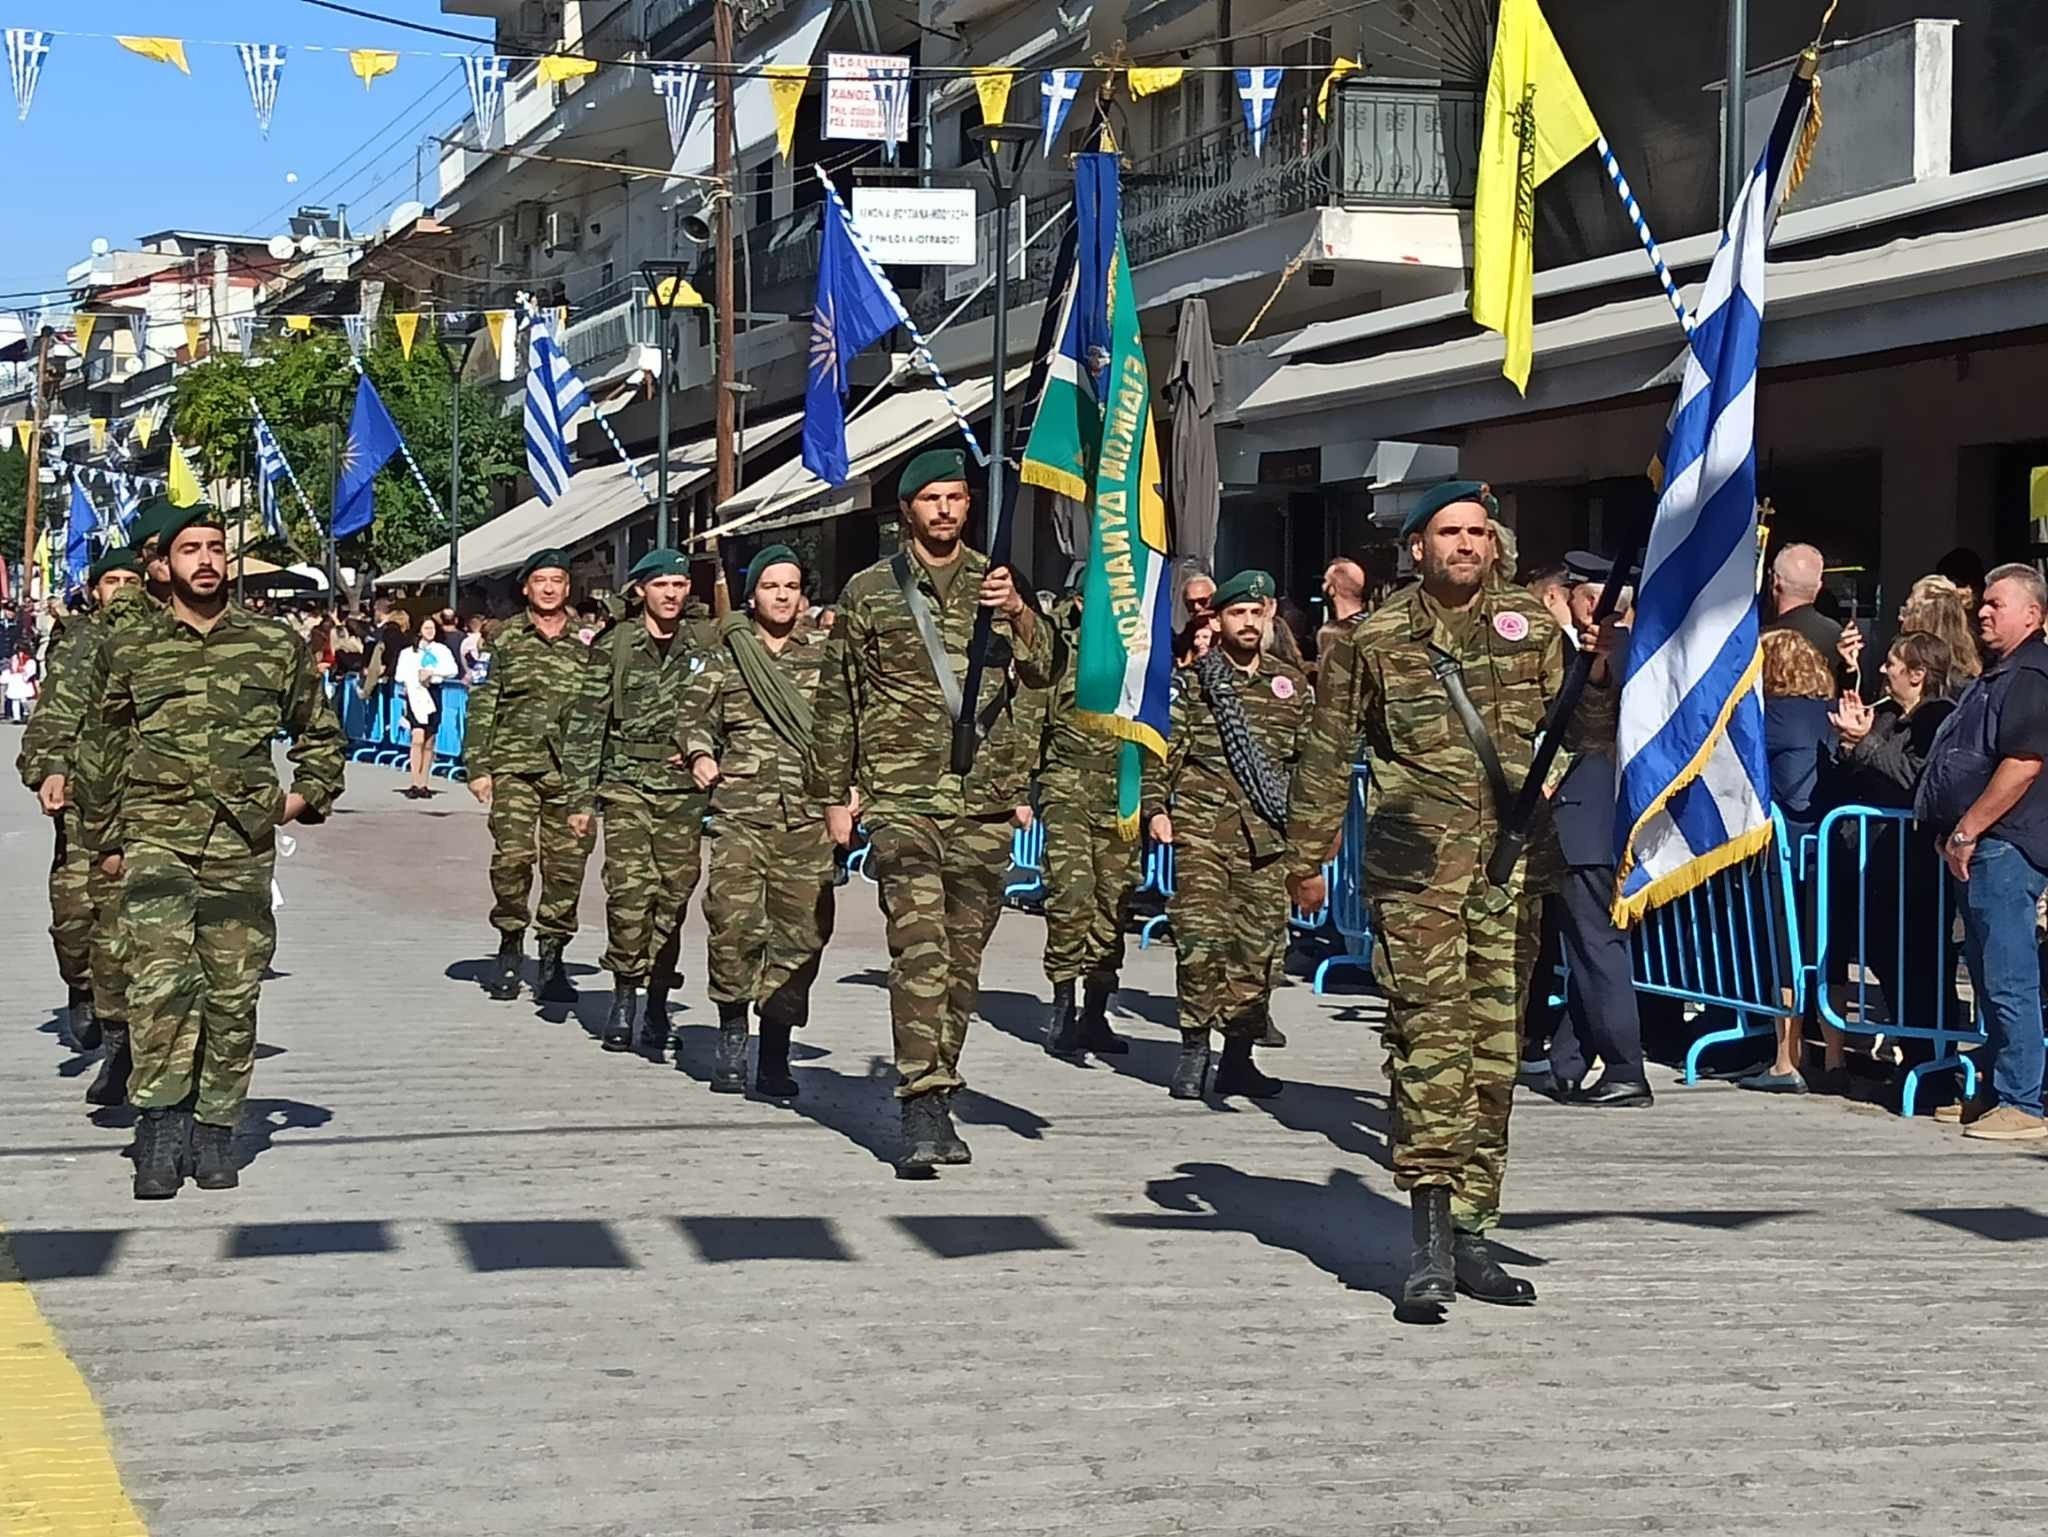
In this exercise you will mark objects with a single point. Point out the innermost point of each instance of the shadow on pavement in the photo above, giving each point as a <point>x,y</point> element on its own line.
<point>263,1119</point>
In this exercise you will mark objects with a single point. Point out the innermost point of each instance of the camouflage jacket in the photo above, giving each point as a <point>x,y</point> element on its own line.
<point>1078,768</point>
<point>191,717</point>
<point>69,727</point>
<point>49,739</point>
<point>1195,778</point>
<point>762,778</point>
<point>519,716</point>
<point>1433,821</point>
<point>623,725</point>
<point>882,722</point>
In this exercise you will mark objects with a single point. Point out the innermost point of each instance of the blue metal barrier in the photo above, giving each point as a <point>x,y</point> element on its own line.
<point>1158,878</point>
<point>1344,885</point>
<point>448,732</point>
<point>1027,858</point>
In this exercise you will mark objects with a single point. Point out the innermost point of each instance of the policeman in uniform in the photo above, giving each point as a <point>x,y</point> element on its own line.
<point>893,679</point>
<point>1446,674</point>
<point>516,747</point>
<point>747,734</point>
<point>1220,798</point>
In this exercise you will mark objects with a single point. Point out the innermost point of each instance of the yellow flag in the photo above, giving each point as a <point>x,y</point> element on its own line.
<point>2037,501</point>
<point>1146,82</point>
<point>97,427</point>
<point>165,50</point>
<point>993,86</point>
<point>1536,121</point>
<point>1337,72</point>
<point>83,325</point>
<point>194,329</point>
<point>184,488</point>
<point>408,323</point>
<point>786,88</point>
<point>369,63</point>
<point>557,67</point>
<point>145,427</point>
<point>303,324</point>
<point>495,321</point>
<point>26,432</point>
<point>677,294</point>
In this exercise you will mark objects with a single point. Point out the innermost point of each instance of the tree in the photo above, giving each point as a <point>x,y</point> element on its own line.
<point>13,500</point>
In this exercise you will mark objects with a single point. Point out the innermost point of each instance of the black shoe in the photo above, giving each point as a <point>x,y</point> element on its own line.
<point>729,1072</point>
<point>504,983</point>
<point>1096,1036</point>
<point>213,1157</point>
<point>1270,1038</point>
<point>772,1078</point>
<point>1235,1074</point>
<point>1063,1029</point>
<point>1538,1077</point>
<point>111,1086</point>
<point>555,986</point>
<point>1479,1274</point>
<point>923,1138</point>
<point>1193,1066</point>
<point>1432,1271</point>
<point>1615,1094</point>
<point>618,1025</point>
<point>951,1148</point>
<point>161,1151</point>
<point>81,1024</point>
<point>654,1025</point>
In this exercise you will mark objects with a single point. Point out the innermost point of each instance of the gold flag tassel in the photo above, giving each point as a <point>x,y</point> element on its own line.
<point>1809,135</point>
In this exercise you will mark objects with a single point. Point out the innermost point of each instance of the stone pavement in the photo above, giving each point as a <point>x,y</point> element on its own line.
<point>483,1278</point>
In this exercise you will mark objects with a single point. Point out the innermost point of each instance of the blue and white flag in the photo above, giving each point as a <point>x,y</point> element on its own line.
<point>677,88</point>
<point>127,502</point>
<point>1693,785</point>
<point>1057,92</point>
<point>271,468</point>
<point>554,396</point>
<point>855,307</point>
<point>79,529</point>
<point>486,76</point>
<point>1258,89</point>
<point>26,50</point>
<point>262,65</point>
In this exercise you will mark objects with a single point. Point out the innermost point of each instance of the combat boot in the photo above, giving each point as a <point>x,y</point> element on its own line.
<point>618,1025</point>
<point>160,1153</point>
<point>504,983</point>
<point>729,1072</point>
<point>772,1078</point>
<point>213,1157</point>
<point>1236,1074</point>
<point>654,1027</point>
<point>1431,1269</point>
<point>1479,1274</point>
<point>555,986</point>
<point>81,1024</point>
<point>1096,1036</point>
<point>951,1148</point>
<point>923,1138</point>
<point>111,1086</point>
<point>1063,1028</point>
<point>1269,1037</point>
<point>1193,1067</point>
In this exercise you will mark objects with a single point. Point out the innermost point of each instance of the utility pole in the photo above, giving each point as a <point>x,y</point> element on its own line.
<point>725,481</point>
<point>35,464</point>
<point>1734,159</point>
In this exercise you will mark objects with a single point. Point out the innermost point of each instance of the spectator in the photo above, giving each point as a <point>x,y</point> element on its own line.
<point>1287,632</point>
<point>320,642</point>
<point>1795,584</point>
<point>422,668</point>
<point>474,655</point>
<point>1965,569</point>
<point>1937,606</point>
<point>1344,589</point>
<point>1984,796</point>
<point>18,682</point>
<point>345,644</point>
<point>590,620</point>
<point>1553,589</point>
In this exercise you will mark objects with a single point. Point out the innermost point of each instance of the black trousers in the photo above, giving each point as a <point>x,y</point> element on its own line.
<point>1600,1017</point>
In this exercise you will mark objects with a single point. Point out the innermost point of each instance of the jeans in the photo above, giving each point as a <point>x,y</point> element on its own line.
<point>1998,942</point>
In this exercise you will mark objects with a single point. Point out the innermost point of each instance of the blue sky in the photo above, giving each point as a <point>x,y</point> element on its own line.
<point>118,146</point>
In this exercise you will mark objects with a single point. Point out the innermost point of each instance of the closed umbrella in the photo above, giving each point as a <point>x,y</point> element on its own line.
<point>1194,489</point>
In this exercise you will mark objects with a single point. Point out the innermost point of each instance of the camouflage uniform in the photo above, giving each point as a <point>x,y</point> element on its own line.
<point>1090,867</point>
<point>48,739</point>
<point>768,899</point>
<point>1455,953</point>
<point>517,735</point>
<point>620,740</point>
<point>1229,903</point>
<point>193,806</point>
<point>940,843</point>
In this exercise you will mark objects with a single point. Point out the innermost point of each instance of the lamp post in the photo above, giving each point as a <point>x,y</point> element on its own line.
<point>668,289</point>
<point>455,351</point>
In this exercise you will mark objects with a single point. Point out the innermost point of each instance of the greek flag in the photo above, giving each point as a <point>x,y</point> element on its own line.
<point>1057,90</point>
<point>1693,787</point>
<point>486,76</point>
<point>26,50</point>
<point>270,469</point>
<point>1258,89</point>
<point>127,502</point>
<point>554,396</point>
<point>262,64</point>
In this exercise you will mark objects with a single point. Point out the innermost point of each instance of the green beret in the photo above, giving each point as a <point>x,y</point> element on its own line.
<point>772,555</point>
<point>1245,587</point>
<point>1437,498</point>
<point>113,560</point>
<point>543,560</point>
<point>656,563</point>
<point>198,515</point>
<point>932,465</point>
<point>149,522</point>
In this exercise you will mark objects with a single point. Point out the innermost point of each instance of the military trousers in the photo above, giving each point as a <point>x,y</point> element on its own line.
<point>111,959</point>
<point>1229,912</point>
<point>769,903</point>
<point>71,904</point>
<point>941,886</point>
<point>1089,872</point>
<point>530,826</point>
<point>1456,980</point>
<point>200,932</point>
<point>653,856</point>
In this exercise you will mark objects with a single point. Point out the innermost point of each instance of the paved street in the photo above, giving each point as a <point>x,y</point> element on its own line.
<point>483,1278</point>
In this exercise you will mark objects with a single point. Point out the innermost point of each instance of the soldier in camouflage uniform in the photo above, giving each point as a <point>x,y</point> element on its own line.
<point>516,749</point>
<point>940,842</point>
<point>1090,866</point>
<point>1220,798</point>
<point>193,699</point>
<point>747,734</point>
<point>1455,951</point>
<point>620,743</point>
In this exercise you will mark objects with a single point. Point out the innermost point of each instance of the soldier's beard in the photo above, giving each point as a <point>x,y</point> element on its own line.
<point>1455,583</point>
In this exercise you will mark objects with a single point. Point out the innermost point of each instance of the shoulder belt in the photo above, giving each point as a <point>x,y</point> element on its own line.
<point>1450,672</point>
<point>921,616</point>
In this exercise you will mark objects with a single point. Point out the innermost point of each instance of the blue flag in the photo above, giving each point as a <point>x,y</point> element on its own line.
<point>372,440</point>
<point>85,521</point>
<point>856,307</point>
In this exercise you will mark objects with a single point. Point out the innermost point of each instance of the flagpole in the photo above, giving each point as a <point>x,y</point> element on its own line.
<point>242,527</point>
<point>35,466</point>
<point>334,495</point>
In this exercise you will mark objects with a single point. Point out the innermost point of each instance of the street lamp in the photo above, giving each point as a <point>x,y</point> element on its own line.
<point>455,351</point>
<point>668,290</point>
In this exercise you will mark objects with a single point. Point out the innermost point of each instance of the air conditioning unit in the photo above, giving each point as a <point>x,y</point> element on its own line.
<point>565,232</point>
<point>506,253</point>
<point>527,220</point>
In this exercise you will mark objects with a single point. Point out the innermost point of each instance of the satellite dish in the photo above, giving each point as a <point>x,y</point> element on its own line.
<point>404,216</point>
<point>100,246</point>
<point>282,246</point>
<point>308,245</point>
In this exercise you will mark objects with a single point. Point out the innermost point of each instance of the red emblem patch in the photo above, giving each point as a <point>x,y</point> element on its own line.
<point>1511,626</point>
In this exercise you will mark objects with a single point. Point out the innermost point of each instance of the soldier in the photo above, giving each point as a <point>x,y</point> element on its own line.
<point>1090,865</point>
<point>886,705</point>
<point>516,748</point>
<point>747,734</point>
<point>621,741</point>
<point>1239,716</point>
<point>192,700</point>
<point>1447,684</point>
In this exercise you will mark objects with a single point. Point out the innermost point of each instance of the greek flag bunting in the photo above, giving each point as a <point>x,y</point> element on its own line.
<point>26,50</point>
<point>262,64</point>
<point>677,89</point>
<point>486,76</point>
<point>1258,89</point>
<point>127,502</point>
<point>1057,91</point>
<point>554,396</point>
<point>1693,783</point>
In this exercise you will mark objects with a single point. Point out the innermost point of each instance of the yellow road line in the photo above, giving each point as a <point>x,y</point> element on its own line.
<point>57,1473</point>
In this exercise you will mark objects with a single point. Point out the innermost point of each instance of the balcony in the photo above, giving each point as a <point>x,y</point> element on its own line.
<point>672,26</point>
<point>608,324</point>
<point>1403,145</point>
<point>621,33</point>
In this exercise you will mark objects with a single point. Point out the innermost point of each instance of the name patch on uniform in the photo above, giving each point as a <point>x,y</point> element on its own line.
<point>1283,687</point>
<point>1511,626</point>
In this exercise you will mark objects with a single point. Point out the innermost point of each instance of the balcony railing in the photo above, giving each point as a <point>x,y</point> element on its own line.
<point>609,322</point>
<point>1401,145</point>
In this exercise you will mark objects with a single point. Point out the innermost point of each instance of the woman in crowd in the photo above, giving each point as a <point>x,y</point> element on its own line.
<point>1934,606</point>
<point>18,682</point>
<point>475,652</point>
<point>423,667</point>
